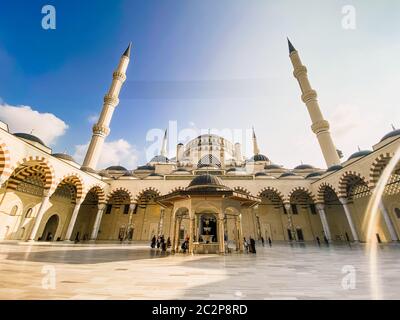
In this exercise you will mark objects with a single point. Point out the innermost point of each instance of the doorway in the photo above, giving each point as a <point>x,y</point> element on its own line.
<point>50,229</point>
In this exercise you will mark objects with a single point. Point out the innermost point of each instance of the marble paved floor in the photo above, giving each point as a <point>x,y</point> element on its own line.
<point>114,271</point>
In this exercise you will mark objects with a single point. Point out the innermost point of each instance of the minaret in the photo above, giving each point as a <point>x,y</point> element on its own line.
<point>309,96</point>
<point>164,145</point>
<point>101,129</point>
<point>256,149</point>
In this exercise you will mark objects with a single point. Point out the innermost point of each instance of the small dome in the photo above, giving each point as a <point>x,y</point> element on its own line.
<point>234,169</point>
<point>313,175</point>
<point>29,137</point>
<point>394,133</point>
<point>258,157</point>
<point>63,156</point>
<point>206,181</point>
<point>116,168</point>
<point>272,167</point>
<point>303,167</point>
<point>146,168</point>
<point>160,158</point>
<point>260,174</point>
<point>334,168</point>
<point>359,154</point>
<point>155,175</point>
<point>180,144</point>
<point>287,174</point>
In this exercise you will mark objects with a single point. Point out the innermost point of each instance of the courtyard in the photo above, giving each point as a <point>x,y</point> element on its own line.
<point>135,271</point>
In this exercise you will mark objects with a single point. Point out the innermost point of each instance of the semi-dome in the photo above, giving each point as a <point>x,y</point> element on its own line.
<point>206,181</point>
<point>146,167</point>
<point>313,175</point>
<point>272,167</point>
<point>258,157</point>
<point>334,168</point>
<point>63,156</point>
<point>304,167</point>
<point>116,168</point>
<point>29,137</point>
<point>260,174</point>
<point>359,154</point>
<point>160,159</point>
<point>391,134</point>
<point>287,174</point>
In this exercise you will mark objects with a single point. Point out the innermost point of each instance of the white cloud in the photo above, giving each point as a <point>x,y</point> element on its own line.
<point>93,118</point>
<point>45,126</point>
<point>118,152</point>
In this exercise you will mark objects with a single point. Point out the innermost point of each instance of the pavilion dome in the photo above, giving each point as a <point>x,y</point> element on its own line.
<point>391,134</point>
<point>258,157</point>
<point>63,156</point>
<point>146,167</point>
<point>359,154</point>
<point>116,168</point>
<point>272,167</point>
<point>287,174</point>
<point>304,167</point>
<point>29,137</point>
<point>206,181</point>
<point>334,168</point>
<point>313,175</point>
<point>160,159</point>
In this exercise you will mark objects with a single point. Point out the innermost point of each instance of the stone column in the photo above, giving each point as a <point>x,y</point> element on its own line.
<point>172,232</point>
<point>73,220</point>
<point>320,207</point>
<point>177,231</point>
<point>132,208</point>
<point>97,222</point>
<point>344,203</point>
<point>161,222</point>
<point>191,234</point>
<point>290,220</point>
<point>221,231</point>
<point>39,216</point>
<point>239,232</point>
<point>388,222</point>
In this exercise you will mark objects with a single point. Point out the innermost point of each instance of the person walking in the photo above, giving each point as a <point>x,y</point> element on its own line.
<point>318,242</point>
<point>262,241</point>
<point>252,245</point>
<point>270,242</point>
<point>153,242</point>
<point>246,245</point>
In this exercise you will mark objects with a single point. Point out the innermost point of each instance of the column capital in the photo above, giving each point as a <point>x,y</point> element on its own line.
<point>320,206</point>
<point>101,206</point>
<point>287,206</point>
<point>343,200</point>
<point>132,206</point>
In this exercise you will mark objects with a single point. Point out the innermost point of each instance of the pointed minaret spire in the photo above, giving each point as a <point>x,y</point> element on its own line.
<point>127,52</point>
<point>291,47</point>
<point>309,96</point>
<point>359,149</point>
<point>164,144</point>
<point>256,150</point>
<point>102,128</point>
<point>393,127</point>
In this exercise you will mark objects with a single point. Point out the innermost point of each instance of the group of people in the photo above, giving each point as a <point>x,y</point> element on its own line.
<point>160,243</point>
<point>249,246</point>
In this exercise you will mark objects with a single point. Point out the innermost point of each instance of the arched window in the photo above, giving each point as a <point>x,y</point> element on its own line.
<point>29,213</point>
<point>14,211</point>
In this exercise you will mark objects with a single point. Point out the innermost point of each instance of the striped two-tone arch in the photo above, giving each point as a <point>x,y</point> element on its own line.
<point>120,195</point>
<point>273,195</point>
<point>99,191</point>
<point>242,190</point>
<point>301,190</point>
<point>321,191</point>
<point>348,178</point>
<point>72,179</point>
<point>5,166</point>
<point>30,166</point>
<point>176,189</point>
<point>146,191</point>
<point>377,167</point>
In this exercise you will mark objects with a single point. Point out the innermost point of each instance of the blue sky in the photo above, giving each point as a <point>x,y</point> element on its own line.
<point>204,64</point>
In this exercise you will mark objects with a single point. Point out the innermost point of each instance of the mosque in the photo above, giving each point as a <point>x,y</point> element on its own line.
<point>208,192</point>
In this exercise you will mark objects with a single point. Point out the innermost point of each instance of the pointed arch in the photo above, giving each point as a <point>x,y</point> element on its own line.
<point>32,166</point>
<point>301,194</point>
<point>321,191</point>
<point>120,196</point>
<point>73,179</point>
<point>351,184</point>
<point>5,166</point>
<point>242,190</point>
<point>99,192</point>
<point>377,167</point>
